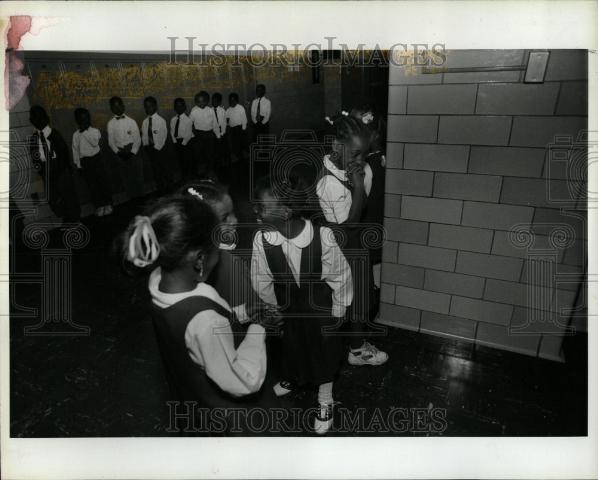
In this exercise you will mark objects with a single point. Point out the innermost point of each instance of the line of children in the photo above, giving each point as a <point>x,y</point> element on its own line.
<point>200,139</point>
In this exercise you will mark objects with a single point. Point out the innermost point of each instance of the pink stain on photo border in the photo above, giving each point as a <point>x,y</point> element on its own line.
<point>15,83</point>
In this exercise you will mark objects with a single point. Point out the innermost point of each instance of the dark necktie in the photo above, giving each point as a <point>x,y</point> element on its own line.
<point>45,148</point>
<point>176,126</point>
<point>150,134</point>
<point>216,114</point>
<point>257,116</point>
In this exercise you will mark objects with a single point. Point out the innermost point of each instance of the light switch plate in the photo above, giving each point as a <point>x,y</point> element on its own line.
<point>536,67</point>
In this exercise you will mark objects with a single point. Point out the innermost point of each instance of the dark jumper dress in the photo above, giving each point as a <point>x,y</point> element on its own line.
<point>312,349</point>
<point>187,380</point>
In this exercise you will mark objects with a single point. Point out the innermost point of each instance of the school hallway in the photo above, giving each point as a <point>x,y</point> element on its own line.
<point>111,382</point>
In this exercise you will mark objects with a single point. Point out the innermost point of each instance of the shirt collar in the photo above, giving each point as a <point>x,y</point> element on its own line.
<point>164,300</point>
<point>332,168</point>
<point>300,241</point>
<point>154,116</point>
<point>120,117</point>
<point>46,131</point>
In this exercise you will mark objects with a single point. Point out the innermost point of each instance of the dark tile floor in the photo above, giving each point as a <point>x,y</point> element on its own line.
<point>111,383</point>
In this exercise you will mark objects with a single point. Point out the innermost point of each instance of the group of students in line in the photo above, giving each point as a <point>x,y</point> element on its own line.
<point>305,276</point>
<point>206,139</point>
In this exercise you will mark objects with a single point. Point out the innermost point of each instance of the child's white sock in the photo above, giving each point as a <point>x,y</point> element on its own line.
<point>325,394</point>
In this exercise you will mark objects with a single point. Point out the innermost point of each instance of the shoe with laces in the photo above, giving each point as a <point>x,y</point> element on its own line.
<point>282,388</point>
<point>367,354</point>
<point>323,420</point>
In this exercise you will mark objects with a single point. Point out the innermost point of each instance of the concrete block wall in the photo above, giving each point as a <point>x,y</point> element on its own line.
<point>469,166</point>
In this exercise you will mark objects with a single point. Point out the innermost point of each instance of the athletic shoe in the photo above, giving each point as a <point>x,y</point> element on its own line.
<point>323,420</point>
<point>367,354</point>
<point>282,388</point>
<point>100,212</point>
<point>108,210</point>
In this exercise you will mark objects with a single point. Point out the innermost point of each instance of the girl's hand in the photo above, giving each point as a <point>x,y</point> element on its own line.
<point>356,173</point>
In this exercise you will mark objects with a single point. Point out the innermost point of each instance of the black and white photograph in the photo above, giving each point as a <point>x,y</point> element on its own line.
<point>294,241</point>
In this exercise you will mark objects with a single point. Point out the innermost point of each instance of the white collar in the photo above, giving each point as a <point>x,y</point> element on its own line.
<point>46,131</point>
<point>300,241</point>
<point>154,116</point>
<point>332,168</point>
<point>164,300</point>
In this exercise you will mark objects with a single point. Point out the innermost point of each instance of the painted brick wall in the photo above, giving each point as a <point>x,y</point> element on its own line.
<point>469,165</point>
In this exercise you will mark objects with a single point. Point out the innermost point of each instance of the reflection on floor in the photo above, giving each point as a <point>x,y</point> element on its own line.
<point>111,382</point>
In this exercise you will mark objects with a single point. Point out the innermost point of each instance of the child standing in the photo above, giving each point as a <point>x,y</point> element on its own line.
<point>88,157</point>
<point>299,268</point>
<point>343,191</point>
<point>221,153</point>
<point>153,136</point>
<point>237,125</point>
<point>124,140</point>
<point>206,132</point>
<point>261,110</point>
<point>181,131</point>
<point>50,157</point>
<point>374,210</point>
<point>193,323</point>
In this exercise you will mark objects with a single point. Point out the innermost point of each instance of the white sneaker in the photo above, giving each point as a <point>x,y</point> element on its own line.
<point>282,388</point>
<point>100,212</point>
<point>367,354</point>
<point>108,210</point>
<point>323,420</point>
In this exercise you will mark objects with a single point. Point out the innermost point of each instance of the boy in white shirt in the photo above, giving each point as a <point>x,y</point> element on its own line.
<point>221,154</point>
<point>237,126</point>
<point>87,157</point>
<point>124,140</point>
<point>206,131</point>
<point>181,132</point>
<point>153,135</point>
<point>261,109</point>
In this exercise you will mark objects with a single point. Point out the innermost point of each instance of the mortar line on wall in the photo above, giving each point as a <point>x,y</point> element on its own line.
<point>558,97</point>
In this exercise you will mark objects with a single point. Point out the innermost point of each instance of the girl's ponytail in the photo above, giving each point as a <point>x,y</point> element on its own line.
<point>143,247</point>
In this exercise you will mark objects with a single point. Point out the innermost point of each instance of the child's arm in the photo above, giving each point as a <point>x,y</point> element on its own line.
<point>261,276</point>
<point>332,196</point>
<point>136,138</point>
<point>358,197</point>
<point>244,121</point>
<point>111,141</point>
<point>336,272</point>
<point>76,141</point>
<point>215,128</point>
<point>267,112</point>
<point>209,337</point>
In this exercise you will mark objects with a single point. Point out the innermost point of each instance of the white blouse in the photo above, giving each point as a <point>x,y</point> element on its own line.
<point>335,269</point>
<point>335,199</point>
<point>209,340</point>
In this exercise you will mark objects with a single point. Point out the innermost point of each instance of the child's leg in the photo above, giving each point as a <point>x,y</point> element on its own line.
<point>325,394</point>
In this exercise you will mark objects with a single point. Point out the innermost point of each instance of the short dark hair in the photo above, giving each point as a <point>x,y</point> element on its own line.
<point>151,99</point>
<point>217,96</point>
<point>202,94</point>
<point>115,99</point>
<point>79,112</point>
<point>38,110</point>
<point>234,95</point>
<point>262,86</point>
<point>179,100</point>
